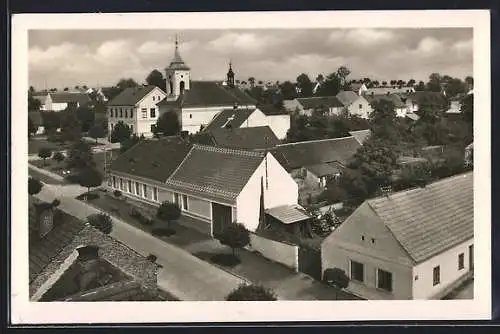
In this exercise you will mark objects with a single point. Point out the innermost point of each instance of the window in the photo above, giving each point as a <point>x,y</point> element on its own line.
<point>190,115</point>
<point>360,106</point>
<point>144,112</point>
<point>357,271</point>
<point>185,202</point>
<point>144,191</point>
<point>129,186</point>
<point>126,114</point>
<point>362,238</point>
<point>155,194</point>
<point>460,261</point>
<point>152,111</point>
<point>373,241</point>
<point>137,189</point>
<point>109,181</point>
<point>114,181</point>
<point>384,280</point>
<point>121,112</point>
<point>176,199</point>
<point>436,275</point>
<point>121,184</point>
<point>153,127</point>
<point>153,98</point>
<point>132,128</point>
<point>131,113</point>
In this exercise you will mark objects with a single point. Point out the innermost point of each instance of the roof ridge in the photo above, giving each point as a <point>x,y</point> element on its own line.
<point>179,166</point>
<point>315,141</point>
<point>225,150</point>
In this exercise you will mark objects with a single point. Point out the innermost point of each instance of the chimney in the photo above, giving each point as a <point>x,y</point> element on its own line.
<point>88,264</point>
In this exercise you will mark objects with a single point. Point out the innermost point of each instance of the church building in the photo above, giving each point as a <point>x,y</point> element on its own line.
<point>197,102</point>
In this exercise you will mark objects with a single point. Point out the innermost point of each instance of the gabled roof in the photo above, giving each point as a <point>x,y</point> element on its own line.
<point>270,110</point>
<point>254,138</point>
<point>307,153</point>
<point>152,159</point>
<point>229,117</point>
<point>215,172</point>
<point>314,102</point>
<point>420,97</point>
<point>390,90</point>
<point>289,214</point>
<point>324,169</point>
<point>347,97</point>
<point>131,96</point>
<point>210,93</point>
<point>65,97</point>
<point>361,135</point>
<point>427,221</point>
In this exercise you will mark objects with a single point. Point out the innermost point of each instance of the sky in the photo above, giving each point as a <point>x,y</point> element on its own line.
<point>65,58</point>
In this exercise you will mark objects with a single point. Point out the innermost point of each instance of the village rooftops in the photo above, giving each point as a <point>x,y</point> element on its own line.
<point>253,138</point>
<point>427,221</point>
<point>390,90</point>
<point>233,118</point>
<point>210,93</point>
<point>320,101</point>
<point>394,98</point>
<point>347,97</point>
<point>131,96</point>
<point>66,97</point>
<point>214,172</point>
<point>314,152</point>
<point>270,110</point>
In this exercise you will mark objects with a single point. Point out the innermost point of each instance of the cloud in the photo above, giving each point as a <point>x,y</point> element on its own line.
<point>245,42</point>
<point>463,46</point>
<point>429,45</point>
<point>362,37</point>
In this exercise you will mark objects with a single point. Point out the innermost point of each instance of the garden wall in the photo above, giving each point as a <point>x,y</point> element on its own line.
<point>284,253</point>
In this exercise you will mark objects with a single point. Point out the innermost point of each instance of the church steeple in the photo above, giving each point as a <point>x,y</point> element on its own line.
<point>177,74</point>
<point>230,76</point>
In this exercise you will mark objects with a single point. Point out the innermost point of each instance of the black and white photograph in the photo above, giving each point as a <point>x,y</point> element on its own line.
<point>320,164</point>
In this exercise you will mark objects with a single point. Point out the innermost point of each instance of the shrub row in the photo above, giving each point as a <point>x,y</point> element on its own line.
<point>141,217</point>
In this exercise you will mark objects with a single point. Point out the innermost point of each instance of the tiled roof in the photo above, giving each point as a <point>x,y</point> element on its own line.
<point>270,110</point>
<point>306,153</point>
<point>260,137</point>
<point>152,159</point>
<point>42,251</point>
<point>421,97</point>
<point>214,172</point>
<point>361,135</point>
<point>288,214</point>
<point>117,291</point>
<point>233,117</point>
<point>314,102</point>
<point>210,93</point>
<point>130,96</point>
<point>347,97</point>
<point>427,221</point>
<point>390,90</point>
<point>324,169</point>
<point>66,97</point>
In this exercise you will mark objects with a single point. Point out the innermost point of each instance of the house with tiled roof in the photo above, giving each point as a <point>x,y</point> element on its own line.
<point>313,163</point>
<point>414,100</point>
<point>355,104</point>
<point>72,261</point>
<point>197,102</point>
<point>214,186</point>
<point>413,244</point>
<point>389,90</point>
<point>329,105</point>
<point>137,108</point>
<point>58,101</point>
<point>252,138</point>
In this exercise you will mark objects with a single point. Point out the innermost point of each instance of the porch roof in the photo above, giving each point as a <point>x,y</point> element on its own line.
<point>288,214</point>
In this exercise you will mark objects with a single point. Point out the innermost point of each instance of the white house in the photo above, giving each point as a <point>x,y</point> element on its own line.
<point>61,101</point>
<point>329,105</point>
<point>354,104</point>
<point>198,102</point>
<point>400,107</point>
<point>389,90</point>
<point>136,107</point>
<point>214,186</point>
<point>414,244</point>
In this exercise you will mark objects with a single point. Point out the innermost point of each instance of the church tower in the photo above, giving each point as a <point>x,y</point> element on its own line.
<point>230,76</point>
<point>177,74</point>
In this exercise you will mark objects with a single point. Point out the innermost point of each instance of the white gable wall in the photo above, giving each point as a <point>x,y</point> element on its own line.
<point>148,103</point>
<point>361,107</point>
<point>257,118</point>
<point>280,124</point>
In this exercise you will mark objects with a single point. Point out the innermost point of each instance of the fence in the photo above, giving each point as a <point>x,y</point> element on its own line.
<point>280,252</point>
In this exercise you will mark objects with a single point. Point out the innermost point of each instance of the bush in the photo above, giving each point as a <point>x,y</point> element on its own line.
<point>88,196</point>
<point>55,203</point>
<point>73,178</point>
<point>117,193</point>
<point>34,186</point>
<point>163,232</point>
<point>235,236</point>
<point>225,260</point>
<point>336,277</point>
<point>168,212</point>
<point>152,257</point>
<point>58,156</point>
<point>101,221</point>
<point>251,292</point>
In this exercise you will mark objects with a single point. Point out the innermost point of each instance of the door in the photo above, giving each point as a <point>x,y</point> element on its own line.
<point>310,261</point>
<point>221,217</point>
<point>471,257</point>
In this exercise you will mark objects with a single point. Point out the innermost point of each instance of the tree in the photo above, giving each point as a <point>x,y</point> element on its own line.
<point>382,119</point>
<point>32,128</point>
<point>44,153</point>
<point>120,133</point>
<point>90,178</point>
<point>51,121</point>
<point>337,278</point>
<point>97,131</point>
<point>411,82</point>
<point>33,104</point>
<point>251,80</point>
<point>330,86</point>
<point>155,78</point>
<point>342,73</point>
<point>251,292</point>
<point>434,83</point>
<point>168,212</point>
<point>304,85</point>
<point>455,87</point>
<point>58,156</point>
<point>66,89</point>
<point>168,124</point>
<point>469,81</point>
<point>80,156</point>
<point>288,90</point>
<point>34,186</point>
<point>235,236</point>
<point>31,90</point>
<point>128,143</point>
<point>126,83</point>
<point>86,117</point>
<point>101,221</point>
<point>393,82</point>
<point>384,83</point>
<point>420,87</point>
<point>71,129</point>
<point>467,109</point>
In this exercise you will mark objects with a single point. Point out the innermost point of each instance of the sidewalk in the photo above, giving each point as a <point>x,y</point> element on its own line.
<point>182,274</point>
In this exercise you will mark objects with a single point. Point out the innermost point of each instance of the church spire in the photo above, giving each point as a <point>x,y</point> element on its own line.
<point>230,76</point>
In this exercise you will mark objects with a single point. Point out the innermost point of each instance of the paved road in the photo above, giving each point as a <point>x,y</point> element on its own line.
<point>184,275</point>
